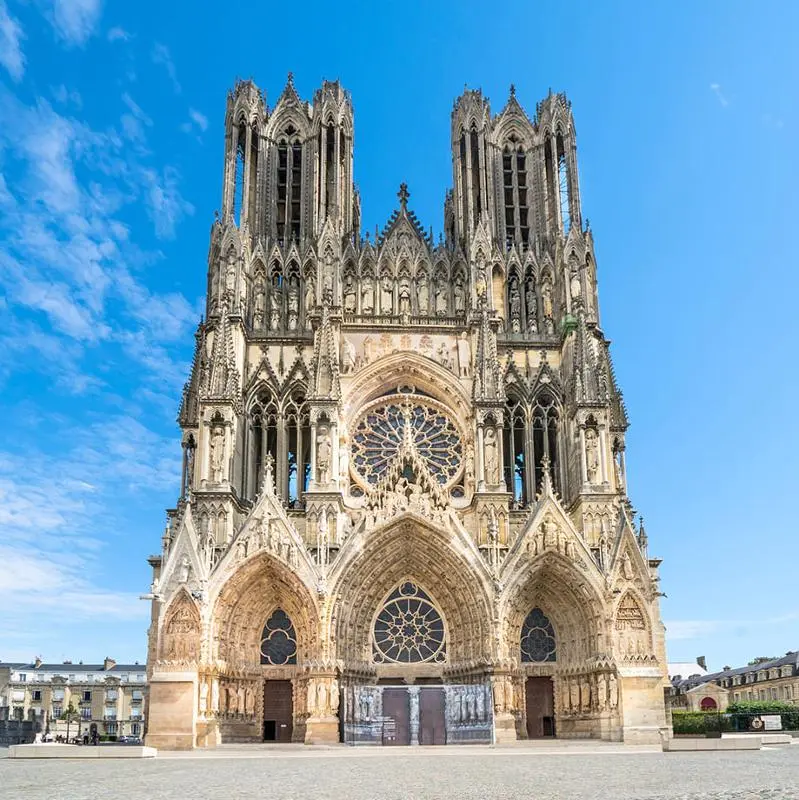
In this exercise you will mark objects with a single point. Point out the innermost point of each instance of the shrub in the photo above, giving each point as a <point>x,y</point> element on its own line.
<point>699,723</point>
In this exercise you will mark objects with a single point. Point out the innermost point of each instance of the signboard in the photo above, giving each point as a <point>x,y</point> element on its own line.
<point>772,722</point>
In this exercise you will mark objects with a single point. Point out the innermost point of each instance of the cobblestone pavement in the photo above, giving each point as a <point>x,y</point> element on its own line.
<point>422,774</point>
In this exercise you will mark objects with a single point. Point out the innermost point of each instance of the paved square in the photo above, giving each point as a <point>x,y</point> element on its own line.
<point>586,770</point>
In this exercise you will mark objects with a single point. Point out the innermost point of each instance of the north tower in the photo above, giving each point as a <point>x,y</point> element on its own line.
<point>403,512</point>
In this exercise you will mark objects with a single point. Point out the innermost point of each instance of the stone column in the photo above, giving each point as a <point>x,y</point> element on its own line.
<point>413,694</point>
<point>583,459</point>
<point>480,459</point>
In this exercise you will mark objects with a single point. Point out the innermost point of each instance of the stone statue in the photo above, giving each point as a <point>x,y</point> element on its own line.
<point>464,355</point>
<point>592,455</point>
<point>215,695</point>
<point>441,298</point>
<point>443,356</point>
<point>602,691</point>
<point>347,356</point>
<point>386,295</point>
<point>310,293</point>
<point>293,303</point>
<point>349,293</point>
<point>627,566</point>
<point>515,308</point>
<point>203,706</point>
<point>259,309</point>
<point>404,296</point>
<point>491,456</point>
<point>323,453</point>
<point>613,692</point>
<point>217,453</point>
<point>574,283</point>
<point>459,295</point>
<point>423,295</point>
<point>532,308</point>
<point>230,278</point>
<point>184,570</point>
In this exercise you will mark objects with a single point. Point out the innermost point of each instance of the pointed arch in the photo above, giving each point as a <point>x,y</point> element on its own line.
<point>180,640</point>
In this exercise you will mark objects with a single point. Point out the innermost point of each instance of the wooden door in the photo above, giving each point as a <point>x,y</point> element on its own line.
<point>278,711</point>
<point>540,708</point>
<point>396,717</point>
<point>432,727</point>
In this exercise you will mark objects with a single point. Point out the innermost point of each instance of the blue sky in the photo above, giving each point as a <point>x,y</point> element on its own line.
<point>111,138</point>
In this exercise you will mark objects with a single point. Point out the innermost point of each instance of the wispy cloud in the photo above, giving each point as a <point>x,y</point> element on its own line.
<point>161,55</point>
<point>716,89</point>
<point>197,122</point>
<point>117,34</point>
<point>75,21</point>
<point>11,36</point>
<point>165,205</point>
<point>67,96</point>
<point>134,121</point>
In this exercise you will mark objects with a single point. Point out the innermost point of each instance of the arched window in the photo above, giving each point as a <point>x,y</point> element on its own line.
<point>261,441</point>
<point>276,299</point>
<point>330,165</point>
<point>477,195</point>
<point>514,183</point>
<point>545,438</point>
<point>298,449</point>
<point>239,170</point>
<point>564,187</point>
<point>538,638</point>
<point>289,185</point>
<point>278,640</point>
<point>515,450</point>
<point>253,179</point>
<point>408,629</point>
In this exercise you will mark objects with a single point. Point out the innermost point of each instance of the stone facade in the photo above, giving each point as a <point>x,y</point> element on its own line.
<point>404,459</point>
<point>107,697</point>
<point>775,680</point>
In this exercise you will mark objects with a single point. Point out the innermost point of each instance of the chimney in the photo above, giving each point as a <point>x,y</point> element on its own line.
<point>700,660</point>
<point>108,663</point>
<point>37,663</point>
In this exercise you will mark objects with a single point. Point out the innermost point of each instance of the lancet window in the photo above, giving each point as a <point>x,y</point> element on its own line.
<point>514,184</point>
<point>408,629</point>
<point>564,187</point>
<point>289,185</point>
<point>538,638</point>
<point>531,434</point>
<point>278,640</point>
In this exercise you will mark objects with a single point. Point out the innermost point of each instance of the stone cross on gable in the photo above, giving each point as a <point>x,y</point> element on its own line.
<point>403,195</point>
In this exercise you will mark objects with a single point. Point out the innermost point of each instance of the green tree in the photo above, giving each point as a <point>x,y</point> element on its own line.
<point>69,715</point>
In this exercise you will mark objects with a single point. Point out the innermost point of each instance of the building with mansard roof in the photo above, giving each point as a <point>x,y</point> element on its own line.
<point>403,516</point>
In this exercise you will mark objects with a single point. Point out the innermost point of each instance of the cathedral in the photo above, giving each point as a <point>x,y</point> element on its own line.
<point>403,515</point>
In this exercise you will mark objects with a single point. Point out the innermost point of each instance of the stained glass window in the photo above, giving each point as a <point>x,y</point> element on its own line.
<point>408,628</point>
<point>538,638</point>
<point>278,640</point>
<point>419,421</point>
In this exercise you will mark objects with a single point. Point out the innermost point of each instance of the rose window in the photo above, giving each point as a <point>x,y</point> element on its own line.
<point>389,424</point>
<point>408,628</point>
<point>538,638</point>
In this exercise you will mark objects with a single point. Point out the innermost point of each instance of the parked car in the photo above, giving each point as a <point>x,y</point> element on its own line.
<point>129,740</point>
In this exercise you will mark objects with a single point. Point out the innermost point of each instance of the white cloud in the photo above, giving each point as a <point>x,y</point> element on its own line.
<point>716,89</point>
<point>160,55</point>
<point>197,122</point>
<point>117,34</point>
<point>134,122</point>
<point>11,36</point>
<point>165,205</point>
<point>67,96</point>
<point>75,21</point>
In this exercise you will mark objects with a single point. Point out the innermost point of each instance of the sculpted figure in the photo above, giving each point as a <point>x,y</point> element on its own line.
<point>323,453</point>
<point>592,455</point>
<point>349,293</point>
<point>532,308</point>
<point>215,695</point>
<point>217,453</point>
<point>574,283</point>
<point>627,566</point>
<point>386,296</point>
<point>441,298</point>
<point>515,308</point>
<point>293,303</point>
<point>459,295</point>
<point>423,295</point>
<point>367,297</point>
<point>259,309</point>
<point>230,278</point>
<point>310,293</point>
<point>347,356</point>
<point>464,355</point>
<point>184,571</point>
<point>404,296</point>
<point>613,691</point>
<point>491,456</point>
<point>602,691</point>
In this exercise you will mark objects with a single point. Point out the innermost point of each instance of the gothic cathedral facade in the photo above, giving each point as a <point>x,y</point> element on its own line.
<point>403,515</point>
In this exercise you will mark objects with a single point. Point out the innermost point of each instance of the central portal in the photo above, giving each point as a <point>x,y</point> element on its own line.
<point>540,700</point>
<point>278,711</point>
